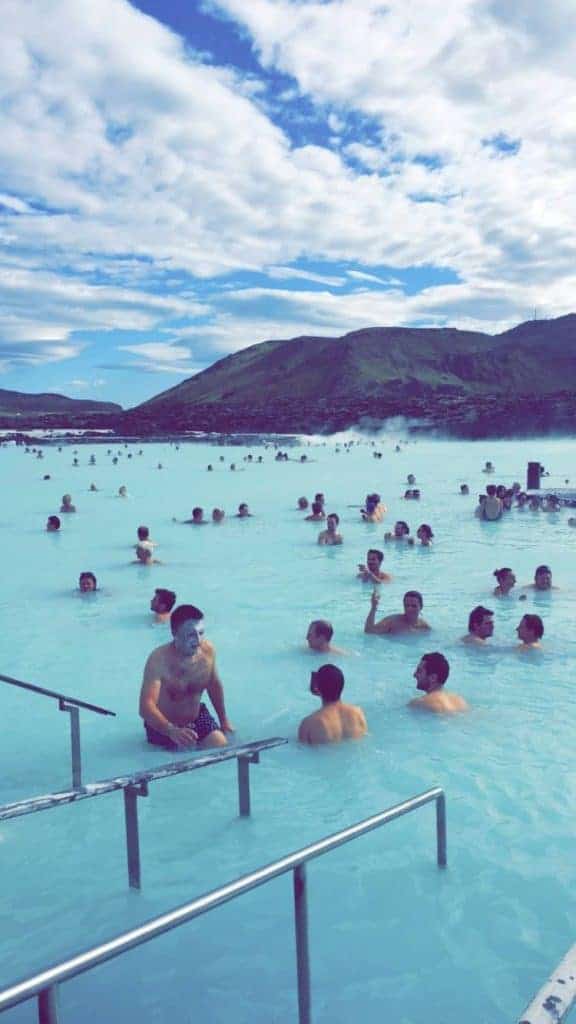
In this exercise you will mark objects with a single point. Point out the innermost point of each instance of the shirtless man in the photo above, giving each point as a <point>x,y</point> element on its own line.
<point>175,676</point>
<point>542,579</point>
<point>145,556</point>
<point>319,636</point>
<point>430,675</point>
<point>162,604</point>
<point>335,721</point>
<point>480,626</point>
<point>371,572</point>
<point>409,621</point>
<point>530,631</point>
<point>493,506</point>
<point>197,517</point>
<point>330,535</point>
<point>401,533</point>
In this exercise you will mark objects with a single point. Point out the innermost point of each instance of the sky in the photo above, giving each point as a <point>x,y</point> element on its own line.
<point>180,179</point>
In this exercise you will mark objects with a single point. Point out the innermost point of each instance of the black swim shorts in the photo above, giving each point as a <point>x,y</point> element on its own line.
<point>203,725</point>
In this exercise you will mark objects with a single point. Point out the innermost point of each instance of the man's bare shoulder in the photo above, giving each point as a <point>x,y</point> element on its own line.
<point>208,649</point>
<point>159,654</point>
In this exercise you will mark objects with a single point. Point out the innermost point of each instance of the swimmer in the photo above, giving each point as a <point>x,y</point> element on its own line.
<point>542,579</point>
<point>506,580</point>
<point>52,524</point>
<point>197,517</point>
<point>374,511</point>
<point>210,468</point>
<point>143,534</point>
<point>319,638</point>
<point>431,673</point>
<point>243,511</point>
<point>317,514</point>
<point>67,505</point>
<point>492,507</point>
<point>371,571</point>
<point>144,556</point>
<point>175,676</point>
<point>425,535</point>
<point>480,626</point>
<point>330,535</point>
<point>530,631</point>
<point>162,604</point>
<point>411,479</point>
<point>123,491</point>
<point>217,515</point>
<point>488,467</point>
<point>401,533</point>
<point>92,487</point>
<point>335,721</point>
<point>87,583</point>
<point>409,621</point>
<point>302,504</point>
<point>464,489</point>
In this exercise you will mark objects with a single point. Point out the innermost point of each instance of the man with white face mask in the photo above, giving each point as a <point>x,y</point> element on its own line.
<point>175,676</point>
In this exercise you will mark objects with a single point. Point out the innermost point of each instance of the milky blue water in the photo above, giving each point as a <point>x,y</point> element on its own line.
<point>392,937</point>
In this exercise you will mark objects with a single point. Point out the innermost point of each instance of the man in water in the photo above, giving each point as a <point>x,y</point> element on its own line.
<point>493,506</point>
<point>319,636</point>
<point>335,721</point>
<point>197,517</point>
<point>317,514</point>
<point>162,604</point>
<point>175,676</point>
<point>87,583</point>
<point>330,535</point>
<point>371,572</point>
<point>480,626</point>
<point>530,631</point>
<point>409,621</point>
<point>431,673</point>
<point>542,579</point>
<point>53,524</point>
<point>401,533</point>
<point>243,511</point>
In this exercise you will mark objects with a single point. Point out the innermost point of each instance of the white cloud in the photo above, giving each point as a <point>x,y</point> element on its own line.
<point>160,357</point>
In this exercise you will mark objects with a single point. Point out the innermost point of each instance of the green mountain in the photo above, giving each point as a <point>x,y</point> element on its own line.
<point>466,381</point>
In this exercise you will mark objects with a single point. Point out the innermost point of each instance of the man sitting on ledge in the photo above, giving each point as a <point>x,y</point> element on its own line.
<point>175,676</point>
<point>335,721</point>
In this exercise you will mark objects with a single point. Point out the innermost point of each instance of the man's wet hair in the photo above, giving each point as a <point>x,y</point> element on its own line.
<point>379,554</point>
<point>182,613</point>
<point>329,681</point>
<point>534,624</point>
<point>323,628</point>
<point>476,616</point>
<point>414,593</point>
<point>403,524</point>
<point>491,490</point>
<point>168,597</point>
<point>319,497</point>
<point>436,665</point>
<point>197,511</point>
<point>333,515</point>
<point>143,533</point>
<point>89,576</point>
<point>542,568</point>
<point>54,521</point>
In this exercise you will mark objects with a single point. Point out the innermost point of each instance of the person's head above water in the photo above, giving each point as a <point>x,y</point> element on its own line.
<point>187,625</point>
<point>217,515</point>
<point>530,629</point>
<point>431,672</point>
<point>53,524</point>
<point>163,601</point>
<point>302,503</point>
<point>413,604</point>
<point>505,577</point>
<point>464,489</point>
<point>481,622</point>
<point>491,490</point>
<point>424,533</point>
<point>143,533</point>
<point>87,582</point>
<point>319,635</point>
<point>243,510</point>
<point>543,577</point>
<point>374,559</point>
<point>197,514</point>
<point>66,499</point>
<point>401,528</point>
<point>332,520</point>
<point>327,682</point>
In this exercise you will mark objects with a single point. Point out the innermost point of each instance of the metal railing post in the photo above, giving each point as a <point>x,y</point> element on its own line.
<point>441,830</point>
<point>74,741</point>
<point>302,953</point>
<point>243,762</point>
<point>48,1005</point>
<point>131,794</point>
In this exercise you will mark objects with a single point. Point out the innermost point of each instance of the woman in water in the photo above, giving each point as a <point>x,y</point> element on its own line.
<point>505,579</point>
<point>425,535</point>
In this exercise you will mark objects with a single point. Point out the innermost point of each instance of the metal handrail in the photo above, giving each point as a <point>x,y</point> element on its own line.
<point>556,997</point>
<point>45,984</point>
<point>71,705</point>
<point>136,785</point>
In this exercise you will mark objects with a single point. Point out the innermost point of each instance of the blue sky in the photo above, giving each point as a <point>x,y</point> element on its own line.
<point>179,180</point>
